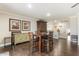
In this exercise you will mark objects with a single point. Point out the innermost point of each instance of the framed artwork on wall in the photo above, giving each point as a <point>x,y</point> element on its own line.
<point>14,25</point>
<point>26,25</point>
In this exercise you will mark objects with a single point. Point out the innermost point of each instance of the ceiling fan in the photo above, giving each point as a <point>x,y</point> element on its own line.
<point>74,5</point>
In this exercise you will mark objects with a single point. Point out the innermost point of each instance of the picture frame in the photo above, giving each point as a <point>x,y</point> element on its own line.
<point>14,25</point>
<point>26,26</point>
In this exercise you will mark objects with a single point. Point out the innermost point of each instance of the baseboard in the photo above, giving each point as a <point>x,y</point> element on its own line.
<point>2,45</point>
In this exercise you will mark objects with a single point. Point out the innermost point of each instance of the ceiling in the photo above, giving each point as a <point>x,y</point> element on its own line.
<point>39,10</point>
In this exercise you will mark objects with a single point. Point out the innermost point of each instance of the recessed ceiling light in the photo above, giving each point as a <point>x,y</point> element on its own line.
<point>29,6</point>
<point>48,14</point>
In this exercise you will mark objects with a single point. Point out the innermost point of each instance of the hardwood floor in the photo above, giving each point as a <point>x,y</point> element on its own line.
<point>61,47</point>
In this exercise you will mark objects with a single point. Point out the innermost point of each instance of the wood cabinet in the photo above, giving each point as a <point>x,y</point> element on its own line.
<point>41,26</point>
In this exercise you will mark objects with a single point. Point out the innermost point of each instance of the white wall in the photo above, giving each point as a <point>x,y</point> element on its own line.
<point>73,25</point>
<point>4,23</point>
<point>78,27</point>
<point>50,26</point>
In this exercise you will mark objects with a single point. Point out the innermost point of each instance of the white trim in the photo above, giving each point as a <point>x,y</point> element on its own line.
<point>2,45</point>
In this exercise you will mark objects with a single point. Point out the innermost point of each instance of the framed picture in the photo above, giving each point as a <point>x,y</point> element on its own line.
<point>14,25</point>
<point>25,25</point>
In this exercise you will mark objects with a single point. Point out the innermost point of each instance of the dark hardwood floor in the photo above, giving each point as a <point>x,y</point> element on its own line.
<point>61,47</point>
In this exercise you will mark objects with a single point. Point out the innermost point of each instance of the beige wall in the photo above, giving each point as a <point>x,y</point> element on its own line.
<point>4,23</point>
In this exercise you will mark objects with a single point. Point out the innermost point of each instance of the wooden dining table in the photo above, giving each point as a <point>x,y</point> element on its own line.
<point>42,43</point>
